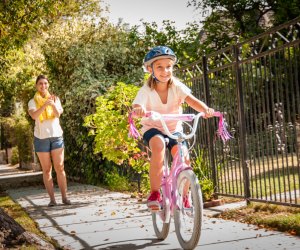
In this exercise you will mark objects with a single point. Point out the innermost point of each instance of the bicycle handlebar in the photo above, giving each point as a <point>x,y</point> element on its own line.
<point>178,117</point>
<point>222,130</point>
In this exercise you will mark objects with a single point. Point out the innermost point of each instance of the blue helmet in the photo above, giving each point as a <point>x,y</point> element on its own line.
<point>159,52</point>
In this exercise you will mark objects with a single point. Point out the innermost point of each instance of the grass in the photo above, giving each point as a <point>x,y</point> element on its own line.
<point>264,187</point>
<point>275,217</point>
<point>15,211</point>
<point>268,177</point>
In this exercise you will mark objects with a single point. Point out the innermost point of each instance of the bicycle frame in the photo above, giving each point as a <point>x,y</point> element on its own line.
<point>170,176</point>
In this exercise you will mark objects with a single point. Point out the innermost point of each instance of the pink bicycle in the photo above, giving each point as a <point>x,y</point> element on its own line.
<point>179,183</point>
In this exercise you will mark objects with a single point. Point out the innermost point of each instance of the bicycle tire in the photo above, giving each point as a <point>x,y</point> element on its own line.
<point>183,217</point>
<point>161,224</point>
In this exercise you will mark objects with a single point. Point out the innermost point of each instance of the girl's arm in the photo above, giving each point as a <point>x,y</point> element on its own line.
<point>199,106</point>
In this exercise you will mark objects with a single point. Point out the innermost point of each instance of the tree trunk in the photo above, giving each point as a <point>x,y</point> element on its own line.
<point>10,231</point>
<point>12,234</point>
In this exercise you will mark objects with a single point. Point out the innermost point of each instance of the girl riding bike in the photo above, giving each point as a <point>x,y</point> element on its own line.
<point>165,94</point>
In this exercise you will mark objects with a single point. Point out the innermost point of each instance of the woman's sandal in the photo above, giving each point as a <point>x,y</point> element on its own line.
<point>66,202</point>
<point>52,204</point>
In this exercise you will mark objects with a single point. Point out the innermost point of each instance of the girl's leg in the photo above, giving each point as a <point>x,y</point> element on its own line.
<point>157,146</point>
<point>58,162</point>
<point>45,160</point>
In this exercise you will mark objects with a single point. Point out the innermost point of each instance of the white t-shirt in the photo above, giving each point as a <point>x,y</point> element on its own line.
<point>47,128</point>
<point>150,99</point>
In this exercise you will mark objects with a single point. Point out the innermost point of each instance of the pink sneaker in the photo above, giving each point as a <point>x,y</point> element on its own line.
<point>186,202</point>
<point>154,201</point>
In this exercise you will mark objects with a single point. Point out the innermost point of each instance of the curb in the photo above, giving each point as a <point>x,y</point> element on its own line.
<point>20,180</point>
<point>214,203</point>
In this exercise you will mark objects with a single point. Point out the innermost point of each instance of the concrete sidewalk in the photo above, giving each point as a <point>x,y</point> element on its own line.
<point>99,219</point>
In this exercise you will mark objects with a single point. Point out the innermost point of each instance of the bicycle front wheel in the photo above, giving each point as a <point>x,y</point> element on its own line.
<point>188,215</point>
<point>161,221</point>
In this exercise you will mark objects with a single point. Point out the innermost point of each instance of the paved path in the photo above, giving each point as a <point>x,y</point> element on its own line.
<point>99,219</point>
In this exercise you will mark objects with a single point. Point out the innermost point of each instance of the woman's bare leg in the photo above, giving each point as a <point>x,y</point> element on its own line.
<point>45,160</point>
<point>58,162</point>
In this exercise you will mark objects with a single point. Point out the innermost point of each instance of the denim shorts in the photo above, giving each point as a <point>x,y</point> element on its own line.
<point>48,144</point>
<point>153,132</point>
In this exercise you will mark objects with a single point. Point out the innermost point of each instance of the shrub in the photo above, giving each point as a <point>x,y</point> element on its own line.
<point>18,133</point>
<point>24,140</point>
<point>202,170</point>
<point>14,156</point>
<point>109,127</point>
<point>116,182</point>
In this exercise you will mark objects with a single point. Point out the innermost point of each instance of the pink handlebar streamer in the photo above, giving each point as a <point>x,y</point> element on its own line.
<point>222,128</point>
<point>133,131</point>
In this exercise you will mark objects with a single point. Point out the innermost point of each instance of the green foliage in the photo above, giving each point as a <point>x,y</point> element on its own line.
<point>16,83</point>
<point>200,163</point>
<point>185,42</point>
<point>140,162</point>
<point>7,126</point>
<point>116,182</point>
<point>18,133</point>
<point>14,156</point>
<point>285,10</point>
<point>145,183</point>
<point>23,134</point>
<point>19,60</point>
<point>109,124</point>
<point>20,19</point>
<point>109,128</point>
<point>232,19</point>
<point>207,188</point>
<point>82,55</point>
<point>201,168</point>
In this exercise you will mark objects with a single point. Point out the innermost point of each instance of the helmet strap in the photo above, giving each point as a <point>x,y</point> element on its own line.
<point>153,76</point>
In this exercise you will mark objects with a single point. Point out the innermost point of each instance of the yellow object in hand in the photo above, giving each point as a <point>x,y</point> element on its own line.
<point>48,113</point>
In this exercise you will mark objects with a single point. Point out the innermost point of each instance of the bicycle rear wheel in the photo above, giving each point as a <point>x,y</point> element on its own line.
<point>188,221</point>
<point>161,221</point>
